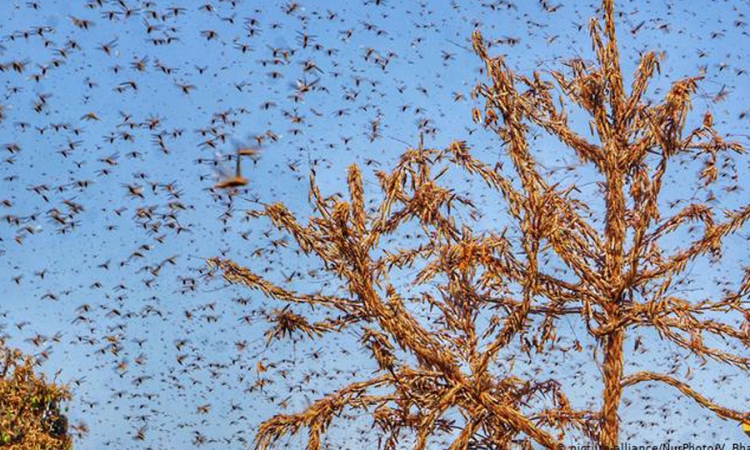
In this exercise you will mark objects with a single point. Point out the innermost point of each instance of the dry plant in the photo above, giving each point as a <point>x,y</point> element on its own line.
<point>491,292</point>
<point>30,407</point>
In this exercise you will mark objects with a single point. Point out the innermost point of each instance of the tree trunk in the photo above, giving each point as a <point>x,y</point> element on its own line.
<point>610,424</point>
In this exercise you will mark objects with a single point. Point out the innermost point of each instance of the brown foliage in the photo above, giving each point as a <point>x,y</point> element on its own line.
<point>492,292</point>
<point>30,407</point>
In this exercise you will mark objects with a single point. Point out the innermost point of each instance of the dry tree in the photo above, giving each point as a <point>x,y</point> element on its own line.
<point>443,319</point>
<point>31,415</point>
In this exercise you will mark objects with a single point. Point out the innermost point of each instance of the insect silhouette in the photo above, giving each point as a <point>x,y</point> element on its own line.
<point>237,180</point>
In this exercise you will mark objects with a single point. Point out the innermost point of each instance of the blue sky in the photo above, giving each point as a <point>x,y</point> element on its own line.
<point>385,62</point>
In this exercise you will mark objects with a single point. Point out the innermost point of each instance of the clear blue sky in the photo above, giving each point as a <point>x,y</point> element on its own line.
<point>390,62</point>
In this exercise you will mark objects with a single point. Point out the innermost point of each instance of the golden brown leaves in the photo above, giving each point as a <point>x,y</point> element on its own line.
<point>31,408</point>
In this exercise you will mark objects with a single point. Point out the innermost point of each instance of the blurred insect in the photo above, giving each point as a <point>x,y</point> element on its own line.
<point>228,180</point>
